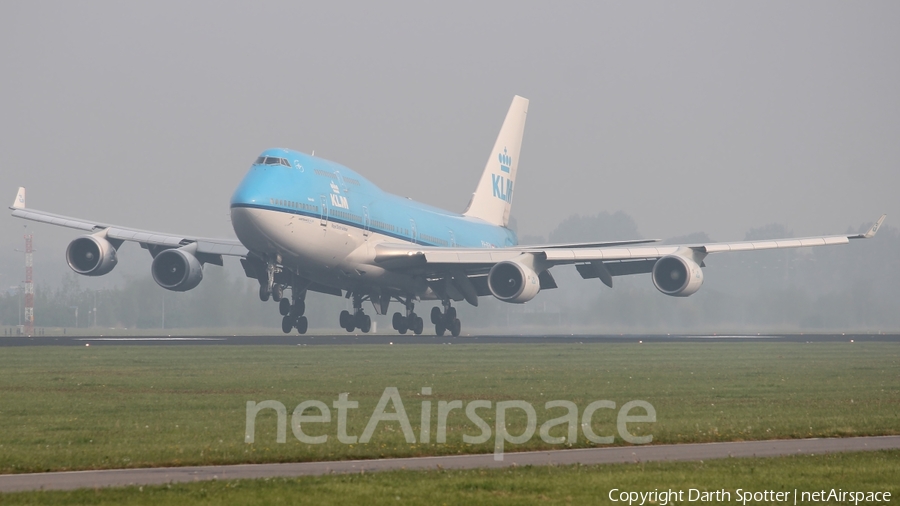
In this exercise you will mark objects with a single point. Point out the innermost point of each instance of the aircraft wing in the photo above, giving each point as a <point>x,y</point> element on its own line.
<point>602,262</point>
<point>211,249</point>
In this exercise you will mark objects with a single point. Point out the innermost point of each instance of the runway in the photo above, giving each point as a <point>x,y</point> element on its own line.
<point>589,456</point>
<point>395,339</point>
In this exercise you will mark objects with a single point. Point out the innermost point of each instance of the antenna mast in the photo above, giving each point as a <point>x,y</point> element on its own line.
<point>29,287</point>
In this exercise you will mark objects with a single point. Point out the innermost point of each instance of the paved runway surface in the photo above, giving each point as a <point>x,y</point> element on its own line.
<point>345,339</point>
<point>614,455</point>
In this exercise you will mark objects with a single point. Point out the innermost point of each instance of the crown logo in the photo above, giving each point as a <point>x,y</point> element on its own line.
<point>335,188</point>
<point>505,161</point>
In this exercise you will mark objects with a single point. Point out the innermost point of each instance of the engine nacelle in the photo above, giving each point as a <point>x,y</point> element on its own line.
<point>91,255</point>
<point>514,282</point>
<point>177,270</point>
<point>677,276</point>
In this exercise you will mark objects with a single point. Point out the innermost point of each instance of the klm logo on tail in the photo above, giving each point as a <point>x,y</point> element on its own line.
<point>505,161</point>
<point>502,186</point>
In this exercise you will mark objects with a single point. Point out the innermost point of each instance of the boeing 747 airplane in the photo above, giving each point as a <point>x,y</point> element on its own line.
<point>307,224</point>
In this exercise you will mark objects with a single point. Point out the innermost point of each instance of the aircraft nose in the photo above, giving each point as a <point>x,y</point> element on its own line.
<point>252,190</point>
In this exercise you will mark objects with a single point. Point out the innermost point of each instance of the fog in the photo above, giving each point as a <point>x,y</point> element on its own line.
<point>853,287</point>
<point>688,118</point>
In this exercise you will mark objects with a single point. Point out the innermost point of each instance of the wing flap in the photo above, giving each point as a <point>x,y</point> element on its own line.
<point>395,256</point>
<point>563,256</point>
<point>585,244</point>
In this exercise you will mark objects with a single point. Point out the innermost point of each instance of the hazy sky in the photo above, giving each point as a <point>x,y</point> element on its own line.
<point>712,117</point>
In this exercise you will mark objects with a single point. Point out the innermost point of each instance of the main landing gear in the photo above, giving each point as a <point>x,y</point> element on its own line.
<point>357,320</point>
<point>411,321</point>
<point>445,321</point>
<point>293,312</point>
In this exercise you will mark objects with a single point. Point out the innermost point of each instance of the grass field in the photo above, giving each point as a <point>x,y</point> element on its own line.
<point>865,472</point>
<point>64,408</point>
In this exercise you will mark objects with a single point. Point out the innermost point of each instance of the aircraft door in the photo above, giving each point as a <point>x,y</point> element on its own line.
<point>452,240</point>
<point>366,222</point>
<point>323,212</point>
<point>341,181</point>
<point>412,230</point>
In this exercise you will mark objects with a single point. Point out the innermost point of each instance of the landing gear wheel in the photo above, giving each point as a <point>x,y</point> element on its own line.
<point>287,324</point>
<point>284,307</point>
<point>277,292</point>
<point>436,315</point>
<point>451,314</point>
<point>366,324</point>
<point>396,321</point>
<point>299,308</point>
<point>346,320</point>
<point>263,293</point>
<point>455,327</point>
<point>302,324</point>
<point>418,325</point>
<point>402,328</point>
<point>439,329</point>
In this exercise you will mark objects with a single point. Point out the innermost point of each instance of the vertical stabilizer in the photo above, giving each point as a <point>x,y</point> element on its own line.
<point>493,196</point>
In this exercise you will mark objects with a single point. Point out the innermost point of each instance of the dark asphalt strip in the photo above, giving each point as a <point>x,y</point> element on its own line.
<point>382,339</point>
<point>613,455</point>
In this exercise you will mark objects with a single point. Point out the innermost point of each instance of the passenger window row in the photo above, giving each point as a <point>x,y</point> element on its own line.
<point>295,205</point>
<point>345,215</point>
<point>434,240</point>
<point>382,225</point>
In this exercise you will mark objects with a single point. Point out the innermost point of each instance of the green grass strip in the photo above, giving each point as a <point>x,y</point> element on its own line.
<point>67,408</point>
<point>865,472</point>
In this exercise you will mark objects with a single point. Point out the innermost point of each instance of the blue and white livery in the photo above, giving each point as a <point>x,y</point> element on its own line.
<point>307,224</point>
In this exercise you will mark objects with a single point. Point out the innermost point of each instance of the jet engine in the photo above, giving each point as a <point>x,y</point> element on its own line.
<point>91,255</point>
<point>177,270</point>
<point>677,276</point>
<point>514,282</point>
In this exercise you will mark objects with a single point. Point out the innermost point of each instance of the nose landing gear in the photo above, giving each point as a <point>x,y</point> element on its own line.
<point>267,284</point>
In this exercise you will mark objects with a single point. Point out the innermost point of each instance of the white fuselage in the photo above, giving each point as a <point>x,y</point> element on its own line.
<point>320,250</point>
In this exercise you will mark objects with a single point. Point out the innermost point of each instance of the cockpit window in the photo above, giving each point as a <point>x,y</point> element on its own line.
<point>271,160</point>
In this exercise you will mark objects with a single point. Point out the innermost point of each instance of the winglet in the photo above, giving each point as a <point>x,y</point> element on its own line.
<point>19,203</point>
<point>872,231</point>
